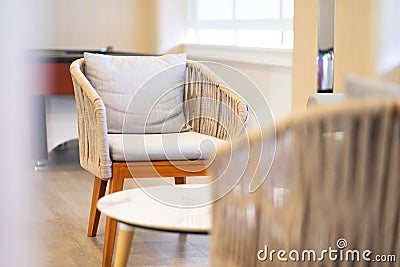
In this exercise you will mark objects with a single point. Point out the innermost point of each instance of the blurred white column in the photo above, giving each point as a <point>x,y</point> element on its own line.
<point>17,30</point>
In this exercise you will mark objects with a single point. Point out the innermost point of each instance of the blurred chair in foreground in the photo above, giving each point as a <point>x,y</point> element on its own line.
<point>325,189</point>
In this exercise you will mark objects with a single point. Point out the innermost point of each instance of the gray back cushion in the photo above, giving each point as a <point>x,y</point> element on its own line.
<point>142,94</point>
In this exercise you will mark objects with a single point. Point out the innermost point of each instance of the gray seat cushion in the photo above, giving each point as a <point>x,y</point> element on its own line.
<point>174,146</point>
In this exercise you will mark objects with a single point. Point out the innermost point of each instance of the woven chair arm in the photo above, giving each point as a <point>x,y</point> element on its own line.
<point>210,106</point>
<point>92,124</point>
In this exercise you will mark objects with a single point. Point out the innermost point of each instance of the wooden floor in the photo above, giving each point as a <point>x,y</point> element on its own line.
<point>63,202</point>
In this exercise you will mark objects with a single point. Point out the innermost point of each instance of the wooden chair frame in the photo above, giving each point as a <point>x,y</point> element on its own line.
<point>121,171</point>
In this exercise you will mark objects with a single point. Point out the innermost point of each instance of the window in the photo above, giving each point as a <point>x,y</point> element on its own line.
<point>248,23</point>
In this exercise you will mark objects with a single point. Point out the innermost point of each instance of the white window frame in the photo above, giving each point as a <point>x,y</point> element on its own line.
<point>281,24</point>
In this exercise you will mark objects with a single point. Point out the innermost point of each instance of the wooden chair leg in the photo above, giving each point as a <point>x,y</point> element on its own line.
<point>116,184</point>
<point>125,236</point>
<point>109,241</point>
<point>180,180</point>
<point>99,190</point>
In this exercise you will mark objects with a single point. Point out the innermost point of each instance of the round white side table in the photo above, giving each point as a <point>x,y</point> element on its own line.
<point>134,208</point>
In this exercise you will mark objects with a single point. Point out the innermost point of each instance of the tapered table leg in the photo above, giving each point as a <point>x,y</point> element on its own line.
<point>125,236</point>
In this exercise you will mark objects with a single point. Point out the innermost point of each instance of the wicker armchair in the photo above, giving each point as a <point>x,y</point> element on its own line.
<point>343,189</point>
<point>210,108</point>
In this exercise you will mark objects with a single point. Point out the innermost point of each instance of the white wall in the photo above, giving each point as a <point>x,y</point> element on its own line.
<point>274,82</point>
<point>150,26</point>
<point>88,24</point>
<point>270,70</point>
<point>388,54</point>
